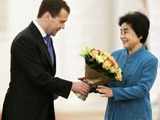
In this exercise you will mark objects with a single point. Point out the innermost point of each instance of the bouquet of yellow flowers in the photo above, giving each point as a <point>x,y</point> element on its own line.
<point>100,69</point>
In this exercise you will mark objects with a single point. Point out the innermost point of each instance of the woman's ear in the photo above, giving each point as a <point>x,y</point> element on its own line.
<point>141,37</point>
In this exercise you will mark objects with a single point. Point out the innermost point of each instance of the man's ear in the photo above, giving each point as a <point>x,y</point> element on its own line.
<point>47,15</point>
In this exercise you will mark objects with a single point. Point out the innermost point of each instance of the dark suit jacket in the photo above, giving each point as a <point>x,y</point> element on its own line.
<point>33,85</point>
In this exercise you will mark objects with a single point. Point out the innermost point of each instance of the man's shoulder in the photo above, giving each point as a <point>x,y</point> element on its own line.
<point>23,38</point>
<point>26,33</point>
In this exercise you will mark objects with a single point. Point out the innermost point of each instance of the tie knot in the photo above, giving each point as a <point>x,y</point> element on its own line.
<point>47,40</point>
<point>47,37</point>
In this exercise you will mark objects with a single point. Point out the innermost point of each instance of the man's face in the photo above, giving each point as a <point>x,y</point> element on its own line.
<point>58,22</point>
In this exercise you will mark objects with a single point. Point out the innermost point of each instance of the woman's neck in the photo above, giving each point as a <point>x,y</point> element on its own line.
<point>134,49</point>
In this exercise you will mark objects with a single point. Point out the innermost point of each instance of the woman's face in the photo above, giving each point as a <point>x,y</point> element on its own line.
<point>128,37</point>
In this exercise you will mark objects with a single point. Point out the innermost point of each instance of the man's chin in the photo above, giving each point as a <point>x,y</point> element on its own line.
<point>53,34</point>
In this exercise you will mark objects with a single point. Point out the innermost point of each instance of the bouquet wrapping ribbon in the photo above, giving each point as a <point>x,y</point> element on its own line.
<point>93,78</point>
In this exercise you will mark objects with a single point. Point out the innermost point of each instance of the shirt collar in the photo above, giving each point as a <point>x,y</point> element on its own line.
<point>43,33</point>
<point>136,52</point>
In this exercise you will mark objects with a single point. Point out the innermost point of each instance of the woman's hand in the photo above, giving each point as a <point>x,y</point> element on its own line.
<point>105,91</point>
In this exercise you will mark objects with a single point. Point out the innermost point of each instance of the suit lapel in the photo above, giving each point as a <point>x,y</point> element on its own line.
<point>44,50</point>
<point>39,40</point>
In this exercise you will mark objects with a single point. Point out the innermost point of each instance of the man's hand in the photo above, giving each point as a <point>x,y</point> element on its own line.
<point>80,87</point>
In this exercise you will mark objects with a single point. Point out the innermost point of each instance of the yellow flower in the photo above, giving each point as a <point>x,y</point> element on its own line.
<point>94,53</point>
<point>108,62</point>
<point>101,58</point>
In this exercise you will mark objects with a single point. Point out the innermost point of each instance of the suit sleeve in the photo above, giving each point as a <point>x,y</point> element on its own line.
<point>142,87</point>
<point>25,54</point>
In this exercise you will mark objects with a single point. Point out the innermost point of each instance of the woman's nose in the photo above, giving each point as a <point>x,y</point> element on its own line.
<point>122,36</point>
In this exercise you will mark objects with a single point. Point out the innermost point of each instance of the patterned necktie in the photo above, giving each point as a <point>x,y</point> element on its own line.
<point>48,42</point>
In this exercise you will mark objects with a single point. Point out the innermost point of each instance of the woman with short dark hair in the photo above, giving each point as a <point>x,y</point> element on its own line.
<point>130,99</point>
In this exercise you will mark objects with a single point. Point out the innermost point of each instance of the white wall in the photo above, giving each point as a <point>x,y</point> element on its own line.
<point>154,15</point>
<point>4,50</point>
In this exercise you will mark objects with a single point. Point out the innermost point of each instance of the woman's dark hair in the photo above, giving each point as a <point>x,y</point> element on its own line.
<point>53,7</point>
<point>139,23</point>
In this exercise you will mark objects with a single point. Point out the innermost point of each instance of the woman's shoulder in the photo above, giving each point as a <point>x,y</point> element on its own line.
<point>118,52</point>
<point>148,56</point>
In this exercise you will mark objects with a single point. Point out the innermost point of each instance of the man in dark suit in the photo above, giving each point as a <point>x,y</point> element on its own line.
<point>33,86</point>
